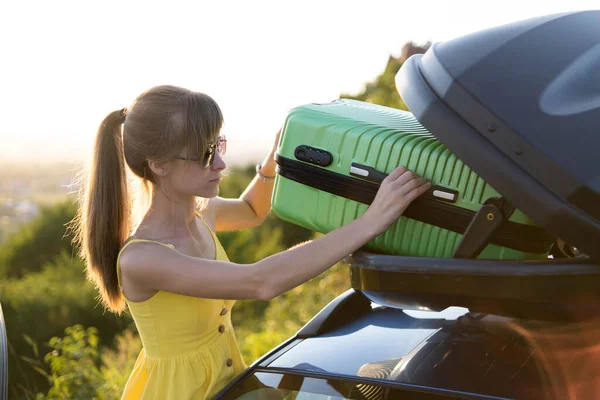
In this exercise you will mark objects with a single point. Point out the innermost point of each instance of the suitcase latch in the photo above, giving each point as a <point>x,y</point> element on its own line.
<point>483,226</point>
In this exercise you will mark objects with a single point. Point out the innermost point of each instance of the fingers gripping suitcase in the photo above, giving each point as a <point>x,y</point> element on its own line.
<point>332,157</point>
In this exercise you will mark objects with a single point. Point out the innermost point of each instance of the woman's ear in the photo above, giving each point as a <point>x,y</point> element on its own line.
<point>159,168</point>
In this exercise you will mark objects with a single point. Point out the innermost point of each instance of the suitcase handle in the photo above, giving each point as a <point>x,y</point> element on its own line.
<point>367,173</point>
<point>372,175</point>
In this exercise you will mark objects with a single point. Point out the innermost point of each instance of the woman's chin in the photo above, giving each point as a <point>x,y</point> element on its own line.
<point>209,193</point>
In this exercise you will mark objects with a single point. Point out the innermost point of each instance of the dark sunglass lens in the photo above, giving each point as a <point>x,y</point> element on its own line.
<point>222,146</point>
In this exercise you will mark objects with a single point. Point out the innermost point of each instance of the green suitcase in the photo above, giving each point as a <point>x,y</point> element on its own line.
<point>332,157</point>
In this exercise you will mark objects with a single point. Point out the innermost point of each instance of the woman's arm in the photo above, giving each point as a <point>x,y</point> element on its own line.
<point>254,204</point>
<point>149,267</point>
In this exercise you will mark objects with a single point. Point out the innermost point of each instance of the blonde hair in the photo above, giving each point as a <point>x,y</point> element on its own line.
<point>161,122</point>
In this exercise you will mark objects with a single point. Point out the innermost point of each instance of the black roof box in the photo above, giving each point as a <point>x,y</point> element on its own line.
<point>520,104</point>
<point>565,289</point>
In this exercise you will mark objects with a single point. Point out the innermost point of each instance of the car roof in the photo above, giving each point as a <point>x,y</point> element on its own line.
<point>453,350</point>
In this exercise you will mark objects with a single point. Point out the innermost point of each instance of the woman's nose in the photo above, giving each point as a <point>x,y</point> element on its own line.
<point>218,163</point>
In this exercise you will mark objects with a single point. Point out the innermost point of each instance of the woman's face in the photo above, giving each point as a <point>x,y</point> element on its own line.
<point>186,176</point>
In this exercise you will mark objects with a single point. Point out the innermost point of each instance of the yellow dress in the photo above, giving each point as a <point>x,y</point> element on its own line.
<point>189,347</point>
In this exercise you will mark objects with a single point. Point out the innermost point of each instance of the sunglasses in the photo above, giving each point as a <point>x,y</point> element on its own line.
<point>220,146</point>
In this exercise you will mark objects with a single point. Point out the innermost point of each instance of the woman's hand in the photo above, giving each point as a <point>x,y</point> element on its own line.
<point>396,192</point>
<point>276,142</point>
<point>268,165</point>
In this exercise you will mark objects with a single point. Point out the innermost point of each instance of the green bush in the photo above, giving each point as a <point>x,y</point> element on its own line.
<point>78,368</point>
<point>41,305</point>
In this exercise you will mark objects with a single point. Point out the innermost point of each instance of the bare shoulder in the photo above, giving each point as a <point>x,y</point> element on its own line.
<point>140,258</point>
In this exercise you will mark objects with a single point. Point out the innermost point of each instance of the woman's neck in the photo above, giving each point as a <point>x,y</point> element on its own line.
<point>168,217</point>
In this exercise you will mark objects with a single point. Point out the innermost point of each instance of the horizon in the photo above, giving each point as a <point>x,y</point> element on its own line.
<point>70,67</point>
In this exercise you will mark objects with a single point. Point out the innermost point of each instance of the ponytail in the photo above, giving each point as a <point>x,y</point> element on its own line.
<point>102,224</point>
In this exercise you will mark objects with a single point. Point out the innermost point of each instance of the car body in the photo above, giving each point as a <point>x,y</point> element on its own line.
<point>372,344</point>
<point>3,358</point>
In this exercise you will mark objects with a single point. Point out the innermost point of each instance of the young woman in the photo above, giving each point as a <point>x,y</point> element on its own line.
<point>168,267</point>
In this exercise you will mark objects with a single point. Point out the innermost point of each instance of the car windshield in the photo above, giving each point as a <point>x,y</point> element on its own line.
<point>384,336</point>
<point>461,351</point>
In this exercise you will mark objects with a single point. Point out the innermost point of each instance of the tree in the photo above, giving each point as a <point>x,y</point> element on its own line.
<point>38,242</point>
<point>382,90</point>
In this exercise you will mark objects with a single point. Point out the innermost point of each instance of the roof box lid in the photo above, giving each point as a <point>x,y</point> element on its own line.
<point>520,105</point>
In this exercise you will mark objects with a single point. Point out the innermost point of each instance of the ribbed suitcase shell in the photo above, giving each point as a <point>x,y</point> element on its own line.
<point>382,138</point>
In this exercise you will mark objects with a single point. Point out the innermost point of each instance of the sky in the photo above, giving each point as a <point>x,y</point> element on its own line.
<point>64,65</point>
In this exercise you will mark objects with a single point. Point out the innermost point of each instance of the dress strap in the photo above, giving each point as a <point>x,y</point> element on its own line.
<point>203,221</point>
<point>118,266</point>
<point>220,253</point>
